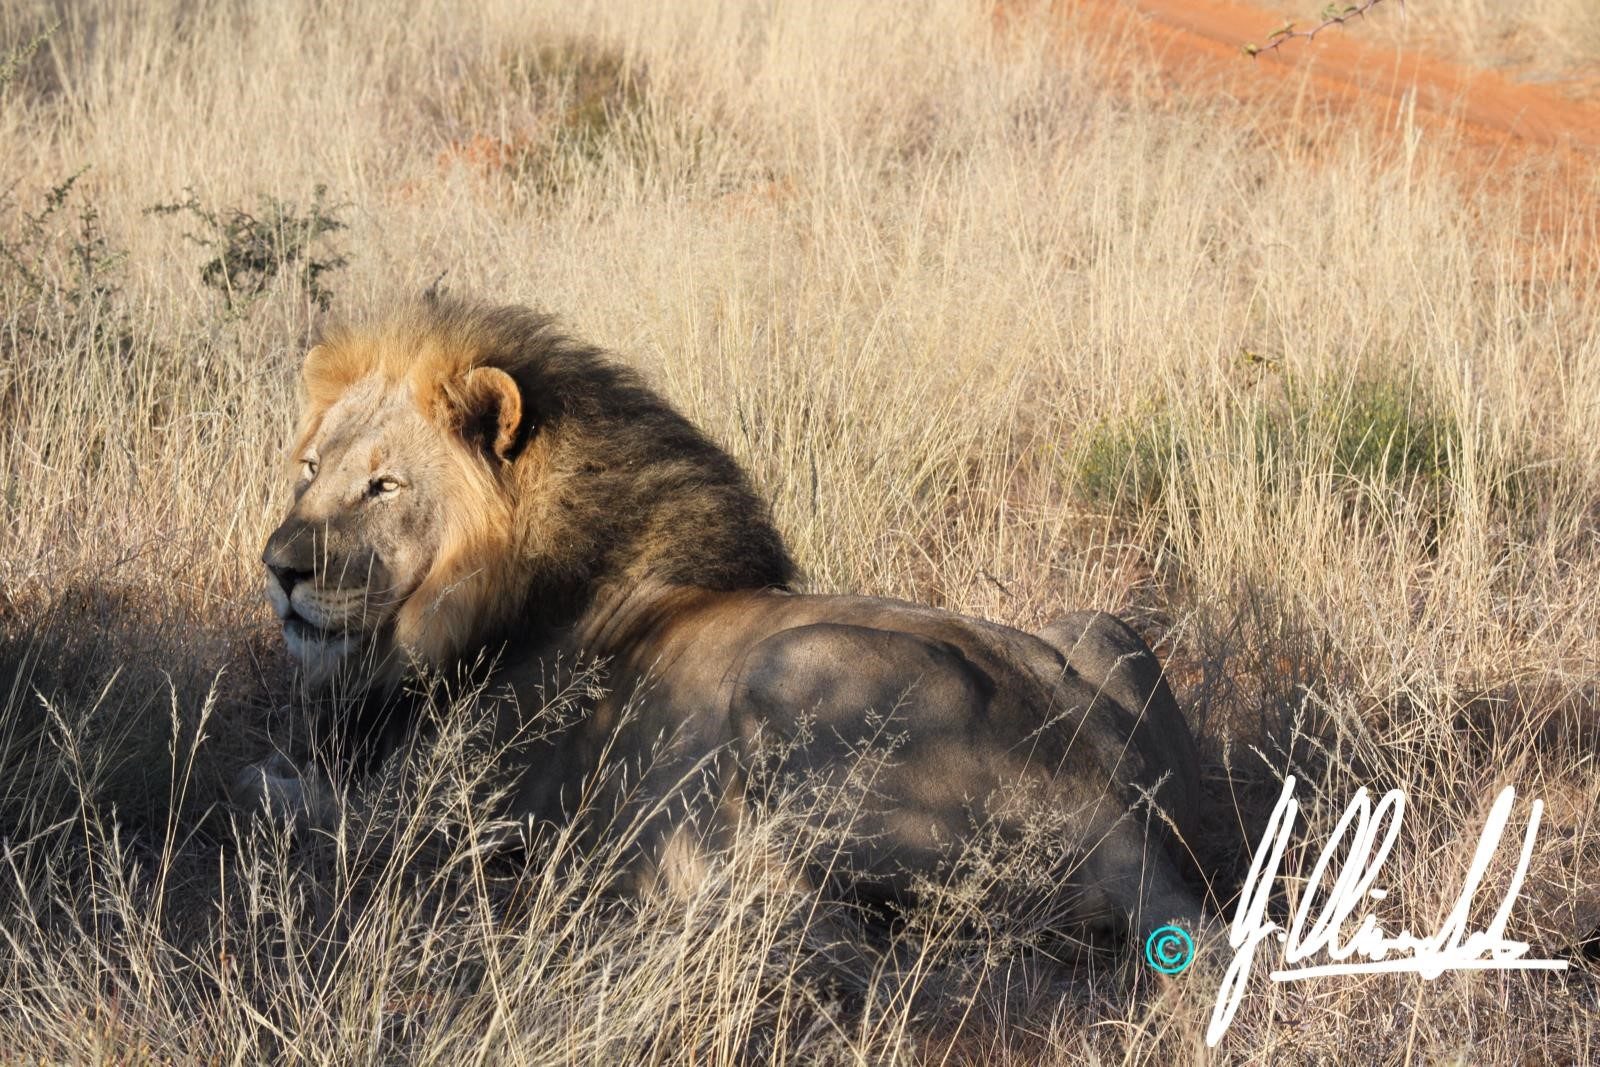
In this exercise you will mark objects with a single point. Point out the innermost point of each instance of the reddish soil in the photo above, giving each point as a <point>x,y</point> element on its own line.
<point>1345,67</point>
<point>1493,128</point>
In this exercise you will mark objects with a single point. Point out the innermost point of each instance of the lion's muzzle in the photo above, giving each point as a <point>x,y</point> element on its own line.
<point>321,585</point>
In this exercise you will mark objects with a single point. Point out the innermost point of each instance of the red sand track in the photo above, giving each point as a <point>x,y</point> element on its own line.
<point>1346,66</point>
<point>1494,126</point>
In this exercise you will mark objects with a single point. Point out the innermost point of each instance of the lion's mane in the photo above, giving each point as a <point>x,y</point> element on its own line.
<point>605,484</point>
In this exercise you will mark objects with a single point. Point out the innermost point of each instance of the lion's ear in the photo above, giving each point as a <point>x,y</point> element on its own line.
<point>327,373</point>
<point>489,410</point>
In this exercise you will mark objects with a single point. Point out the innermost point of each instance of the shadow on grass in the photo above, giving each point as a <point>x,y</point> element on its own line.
<point>122,699</point>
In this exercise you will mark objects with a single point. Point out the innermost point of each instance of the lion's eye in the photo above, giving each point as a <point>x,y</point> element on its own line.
<point>383,486</point>
<point>308,468</point>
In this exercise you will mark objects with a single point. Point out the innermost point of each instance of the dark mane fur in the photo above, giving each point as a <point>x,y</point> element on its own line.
<point>613,485</point>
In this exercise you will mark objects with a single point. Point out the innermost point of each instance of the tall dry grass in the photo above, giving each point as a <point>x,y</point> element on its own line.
<point>1542,38</point>
<point>996,323</point>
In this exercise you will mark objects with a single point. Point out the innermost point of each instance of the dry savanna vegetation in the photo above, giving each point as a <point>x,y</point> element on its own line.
<point>998,323</point>
<point>1555,39</point>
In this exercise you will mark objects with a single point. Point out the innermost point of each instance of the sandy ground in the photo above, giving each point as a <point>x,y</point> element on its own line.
<point>1490,126</point>
<point>1199,42</point>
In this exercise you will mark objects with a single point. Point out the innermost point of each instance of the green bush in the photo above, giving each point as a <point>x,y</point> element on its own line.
<point>41,262</point>
<point>249,251</point>
<point>1374,432</point>
<point>1380,430</point>
<point>1126,464</point>
<point>601,97</point>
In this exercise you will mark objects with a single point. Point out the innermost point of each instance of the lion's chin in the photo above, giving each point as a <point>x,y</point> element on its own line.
<point>321,654</point>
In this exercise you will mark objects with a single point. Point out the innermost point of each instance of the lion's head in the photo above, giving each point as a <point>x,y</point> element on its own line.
<point>464,472</point>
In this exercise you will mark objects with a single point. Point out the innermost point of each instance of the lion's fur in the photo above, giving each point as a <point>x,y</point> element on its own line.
<point>567,510</point>
<point>606,482</point>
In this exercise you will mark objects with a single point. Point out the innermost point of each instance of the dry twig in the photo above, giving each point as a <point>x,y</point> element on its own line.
<point>1332,15</point>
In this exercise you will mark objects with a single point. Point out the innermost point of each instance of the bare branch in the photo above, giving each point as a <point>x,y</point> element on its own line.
<point>1333,15</point>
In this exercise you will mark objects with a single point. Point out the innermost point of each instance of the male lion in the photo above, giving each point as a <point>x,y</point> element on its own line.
<point>472,486</point>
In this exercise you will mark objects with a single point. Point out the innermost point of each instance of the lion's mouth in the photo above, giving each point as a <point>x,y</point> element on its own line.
<point>303,629</point>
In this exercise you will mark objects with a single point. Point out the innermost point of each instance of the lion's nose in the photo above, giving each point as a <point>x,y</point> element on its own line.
<point>287,576</point>
<point>285,555</point>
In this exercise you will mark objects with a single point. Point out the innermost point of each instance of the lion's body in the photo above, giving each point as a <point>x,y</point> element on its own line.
<point>978,726</point>
<point>613,530</point>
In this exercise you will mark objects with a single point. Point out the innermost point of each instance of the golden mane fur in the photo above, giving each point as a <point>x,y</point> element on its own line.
<point>594,480</point>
